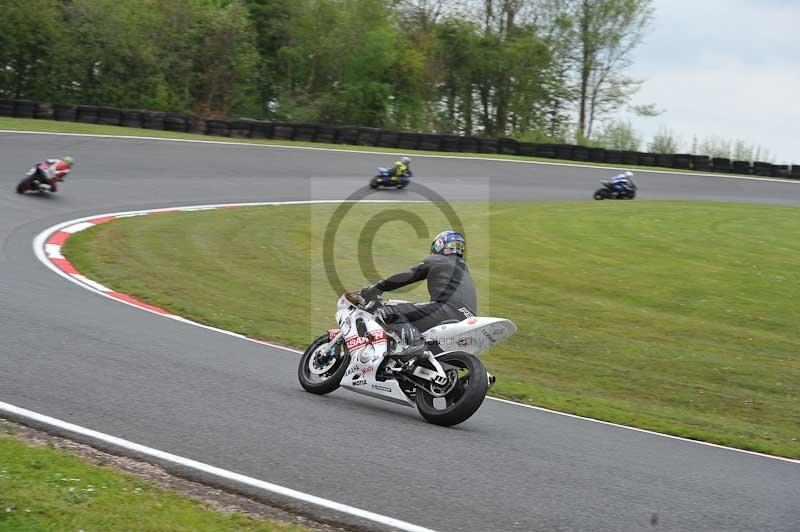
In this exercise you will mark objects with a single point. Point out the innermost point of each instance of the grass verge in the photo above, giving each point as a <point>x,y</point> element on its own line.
<point>675,317</point>
<point>52,126</point>
<point>46,489</point>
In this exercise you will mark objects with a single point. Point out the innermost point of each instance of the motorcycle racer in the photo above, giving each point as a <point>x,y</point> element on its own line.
<point>50,171</point>
<point>623,182</point>
<point>450,285</point>
<point>401,169</point>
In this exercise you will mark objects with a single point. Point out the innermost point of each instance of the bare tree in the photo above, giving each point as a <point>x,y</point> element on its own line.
<point>605,34</point>
<point>426,13</point>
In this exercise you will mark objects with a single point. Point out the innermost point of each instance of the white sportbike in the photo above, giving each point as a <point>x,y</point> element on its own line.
<point>436,370</point>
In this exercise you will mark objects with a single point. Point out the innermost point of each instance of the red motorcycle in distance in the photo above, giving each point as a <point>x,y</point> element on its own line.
<point>43,176</point>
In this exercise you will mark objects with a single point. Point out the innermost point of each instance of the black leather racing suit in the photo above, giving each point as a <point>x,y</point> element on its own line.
<point>450,286</point>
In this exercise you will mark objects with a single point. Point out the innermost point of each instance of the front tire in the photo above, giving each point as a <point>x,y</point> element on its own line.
<point>374,183</point>
<point>320,374</point>
<point>600,194</point>
<point>469,383</point>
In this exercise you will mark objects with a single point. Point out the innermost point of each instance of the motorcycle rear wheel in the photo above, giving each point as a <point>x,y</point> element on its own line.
<point>24,185</point>
<point>328,381</point>
<point>469,386</point>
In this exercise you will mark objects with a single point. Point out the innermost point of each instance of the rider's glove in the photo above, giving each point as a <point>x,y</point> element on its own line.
<point>370,293</point>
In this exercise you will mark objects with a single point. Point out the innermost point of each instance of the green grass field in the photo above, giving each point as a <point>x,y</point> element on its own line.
<point>672,316</point>
<point>47,489</point>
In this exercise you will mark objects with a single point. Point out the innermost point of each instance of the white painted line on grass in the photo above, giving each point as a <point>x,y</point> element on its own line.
<point>41,239</point>
<point>654,433</point>
<point>210,469</point>
<point>608,167</point>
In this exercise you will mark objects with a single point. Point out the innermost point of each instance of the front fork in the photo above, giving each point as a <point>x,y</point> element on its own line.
<point>333,340</point>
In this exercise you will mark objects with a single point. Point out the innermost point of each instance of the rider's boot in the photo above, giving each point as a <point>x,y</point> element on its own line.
<point>45,186</point>
<point>410,352</point>
<point>410,337</point>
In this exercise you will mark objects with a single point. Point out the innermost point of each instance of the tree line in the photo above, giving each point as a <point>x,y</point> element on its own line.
<point>537,70</point>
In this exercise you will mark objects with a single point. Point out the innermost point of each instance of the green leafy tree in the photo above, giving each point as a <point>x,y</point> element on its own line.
<point>620,135</point>
<point>271,20</point>
<point>27,38</point>
<point>664,141</point>
<point>341,62</point>
<point>456,55</point>
<point>226,61</point>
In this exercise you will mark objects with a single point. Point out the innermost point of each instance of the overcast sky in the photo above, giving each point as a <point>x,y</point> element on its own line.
<point>727,68</point>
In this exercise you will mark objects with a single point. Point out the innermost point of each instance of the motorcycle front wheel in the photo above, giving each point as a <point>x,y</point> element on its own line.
<point>321,373</point>
<point>465,391</point>
<point>374,183</point>
<point>600,194</point>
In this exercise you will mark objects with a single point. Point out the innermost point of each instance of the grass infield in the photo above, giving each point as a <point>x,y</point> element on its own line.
<point>679,317</point>
<point>46,489</point>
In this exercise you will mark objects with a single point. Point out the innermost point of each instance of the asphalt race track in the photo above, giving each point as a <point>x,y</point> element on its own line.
<point>73,355</point>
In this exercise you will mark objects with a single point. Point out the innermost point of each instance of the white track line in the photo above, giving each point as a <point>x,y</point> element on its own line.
<point>210,470</point>
<point>398,150</point>
<point>39,250</point>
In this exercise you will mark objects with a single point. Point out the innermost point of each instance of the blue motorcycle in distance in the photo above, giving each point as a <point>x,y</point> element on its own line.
<point>383,179</point>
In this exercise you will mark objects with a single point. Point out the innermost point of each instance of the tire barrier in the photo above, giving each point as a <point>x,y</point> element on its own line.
<point>109,116</point>
<point>7,108</point>
<point>217,127</point>
<point>65,113</point>
<point>88,114</point>
<point>384,138</point>
<point>24,108</point>
<point>131,118</point>
<point>199,125</point>
<point>720,164</point>
<point>177,122</point>
<point>43,111</point>
<point>153,120</point>
<point>742,167</point>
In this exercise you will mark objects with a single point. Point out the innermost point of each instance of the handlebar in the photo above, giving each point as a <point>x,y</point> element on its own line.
<point>356,299</point>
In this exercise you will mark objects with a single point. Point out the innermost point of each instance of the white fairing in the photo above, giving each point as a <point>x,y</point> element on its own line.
<point>471,335</point>
<point>366,355</point>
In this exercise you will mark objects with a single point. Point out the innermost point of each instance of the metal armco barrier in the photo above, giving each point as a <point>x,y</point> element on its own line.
<point>370,136</point>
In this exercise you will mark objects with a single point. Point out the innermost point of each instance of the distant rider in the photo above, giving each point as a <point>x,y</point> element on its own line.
<point>450,285</point>
<point>401,169</point>
<point>623,182</point>
<point>50,171</point>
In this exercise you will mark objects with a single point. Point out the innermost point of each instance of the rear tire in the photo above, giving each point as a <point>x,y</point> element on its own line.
<point>24,185</point>
<point>465,397</point>
<point>328,381</point>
